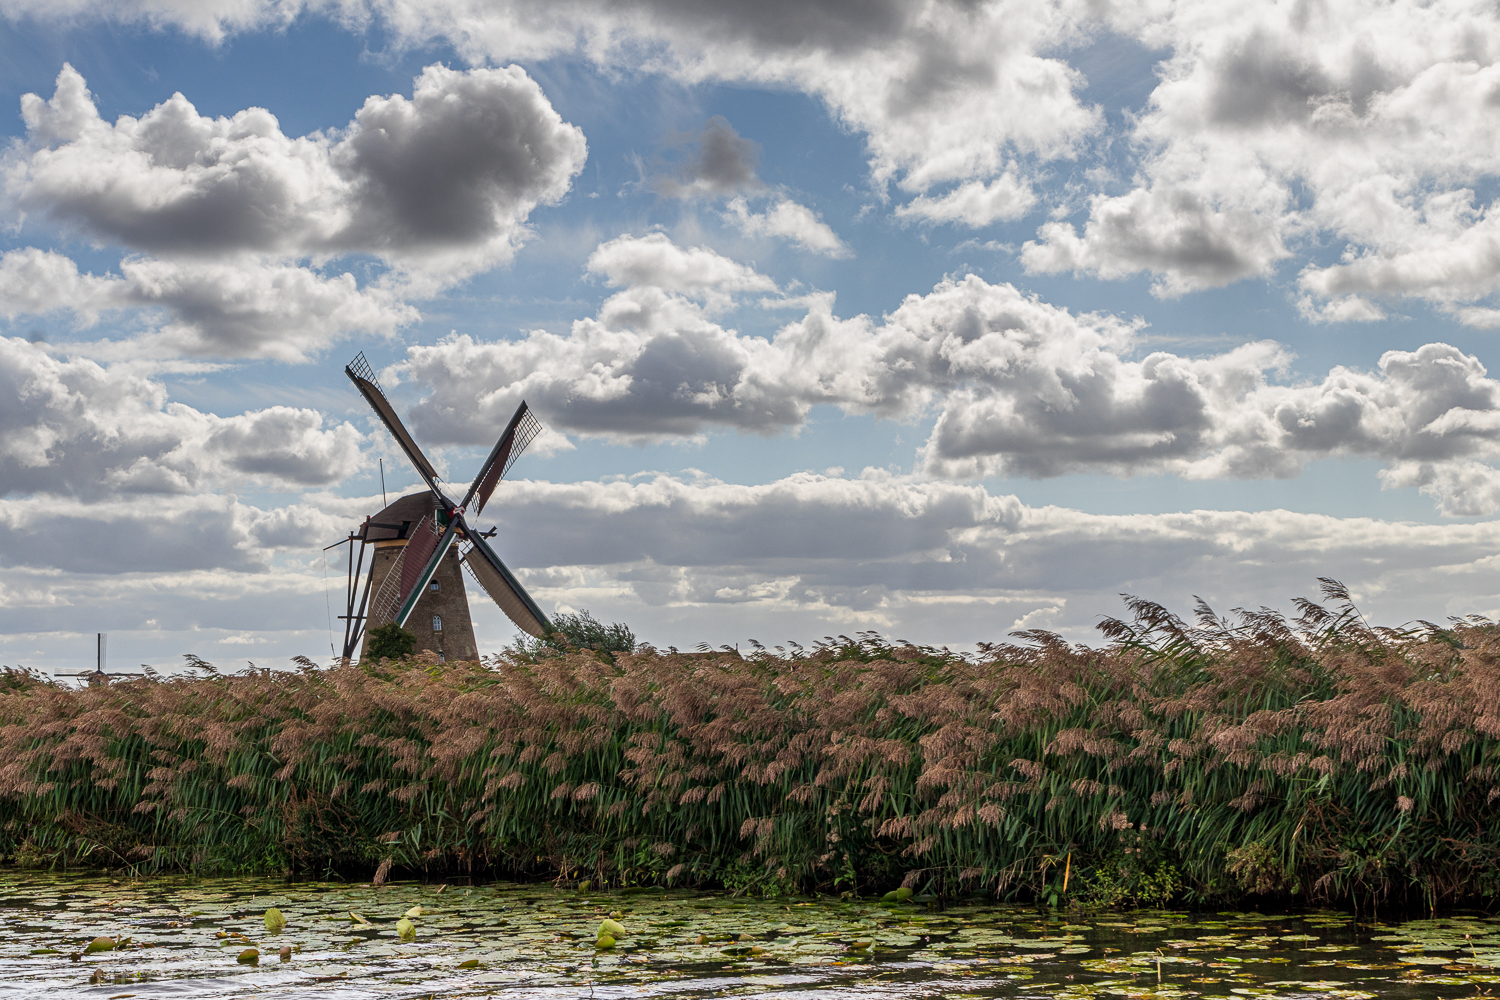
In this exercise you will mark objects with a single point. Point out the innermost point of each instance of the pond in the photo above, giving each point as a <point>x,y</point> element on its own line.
<point>180,937</point>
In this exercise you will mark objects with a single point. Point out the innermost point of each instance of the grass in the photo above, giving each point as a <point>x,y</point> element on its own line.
<point>1319,758</point>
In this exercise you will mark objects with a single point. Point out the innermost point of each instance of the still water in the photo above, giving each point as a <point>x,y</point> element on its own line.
<point>192,938</point>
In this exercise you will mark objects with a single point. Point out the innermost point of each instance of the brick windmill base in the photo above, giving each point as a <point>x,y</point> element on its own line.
<point>441,619</point>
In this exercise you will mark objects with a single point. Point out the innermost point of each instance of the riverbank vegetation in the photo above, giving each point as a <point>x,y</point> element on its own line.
<point>1318,758</point>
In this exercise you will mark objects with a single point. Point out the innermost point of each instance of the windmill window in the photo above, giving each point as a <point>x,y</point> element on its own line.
<point>437,623</point>
<point>433,586</point>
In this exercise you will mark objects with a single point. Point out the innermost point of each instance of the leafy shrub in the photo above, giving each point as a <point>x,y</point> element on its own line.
<point>389,642</point>
<point>571,633</point>
<point>1257,870</point>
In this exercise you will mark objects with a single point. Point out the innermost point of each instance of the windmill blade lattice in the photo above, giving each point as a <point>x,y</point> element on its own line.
<point>521,431</point>
<point>504,589</point>
<point>418,578</point>
<point>363,377</point>
<point>393,593</point>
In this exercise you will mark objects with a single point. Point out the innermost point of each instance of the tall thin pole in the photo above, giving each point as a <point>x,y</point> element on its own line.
<point>349,593</point>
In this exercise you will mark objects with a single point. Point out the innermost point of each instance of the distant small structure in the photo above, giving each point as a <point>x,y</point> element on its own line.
<point>97,676</point>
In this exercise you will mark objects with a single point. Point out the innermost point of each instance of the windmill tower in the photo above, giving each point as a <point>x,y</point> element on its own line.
<point>417,543</point>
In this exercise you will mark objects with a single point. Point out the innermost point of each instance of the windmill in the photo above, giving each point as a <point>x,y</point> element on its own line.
<point>419,541</point>
<point>97,676</point>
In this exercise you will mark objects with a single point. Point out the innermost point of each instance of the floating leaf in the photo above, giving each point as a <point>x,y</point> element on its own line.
<point>903,894</point>
<point>359,919</point>
<point>611,927</point>
<point>605,941</point>
<point>584,885</point>
<point>406,930</point>
<point>275,922</point>
<point>472,963</point>
<point>100,944</point>
<point>415,911</point>
<point>250,956</point>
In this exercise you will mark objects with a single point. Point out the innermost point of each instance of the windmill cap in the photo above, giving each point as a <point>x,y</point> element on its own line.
<point>412,507</point>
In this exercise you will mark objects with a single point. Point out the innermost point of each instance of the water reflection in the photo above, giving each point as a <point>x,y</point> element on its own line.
<point>208,939</point>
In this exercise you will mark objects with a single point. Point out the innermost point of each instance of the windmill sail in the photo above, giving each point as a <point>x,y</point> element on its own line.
<point>363,377</point>
<point>504,589</point>
<point>388,600</point>
<point>420,565</point>
<point>408,576</point>
<point>519,433</point>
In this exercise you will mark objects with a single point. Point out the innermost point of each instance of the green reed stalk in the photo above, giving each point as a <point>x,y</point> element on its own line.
<point>1317,758</point>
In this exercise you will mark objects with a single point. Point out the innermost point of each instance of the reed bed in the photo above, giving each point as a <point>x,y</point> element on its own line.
<point>1318,757</point>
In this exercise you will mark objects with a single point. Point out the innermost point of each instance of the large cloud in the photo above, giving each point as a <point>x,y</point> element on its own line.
<point>1364,122</point>
<point>953,560</point>
<point>446,178</point>
<point>945,91</point>
<point>691,559</point>
<point>219,308</point>
<point>1275,129</point>
<point>74,428</point>
<point>1018,386</point>
<point>157,534</point>
<point>438,186</point>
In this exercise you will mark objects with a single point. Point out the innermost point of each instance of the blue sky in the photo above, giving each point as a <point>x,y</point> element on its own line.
<point>937,321</point>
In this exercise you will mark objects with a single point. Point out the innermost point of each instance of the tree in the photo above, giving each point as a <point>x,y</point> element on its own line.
<point>389,642</point>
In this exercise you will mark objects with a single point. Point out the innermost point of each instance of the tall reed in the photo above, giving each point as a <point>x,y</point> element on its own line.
<point>1320,757</point>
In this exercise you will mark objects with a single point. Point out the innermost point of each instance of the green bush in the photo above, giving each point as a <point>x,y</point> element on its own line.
<point>389,642</point>
<point>1257,870</point>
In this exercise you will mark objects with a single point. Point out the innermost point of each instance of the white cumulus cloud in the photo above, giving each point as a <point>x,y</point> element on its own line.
<point>790,221</point>
<point>233,212</point>
<point>944,91</point>
<point>220,308</point>
<point>893,552</point>
<point>445,178</point>
<point>1018,386</point>
<point>75,428</point>
<point>1275,127</point>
